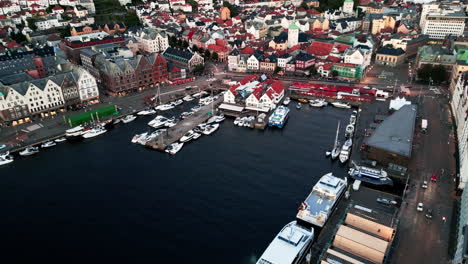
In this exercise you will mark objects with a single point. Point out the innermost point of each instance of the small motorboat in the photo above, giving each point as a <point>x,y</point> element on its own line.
<point>61,139</point>
<point>345,150</point>
<point>187,136</point>
<point>188,98</point>
<point>137,137</point>
<point>177,102</point>
<point>303,101</point>
<point>352,120</point>
<point>185,115</point>
<point>196,135</point>
<point>116,121</point>
<point>216,119</point>
<point>174,148</point>
<point>349,131</point>
<point>341,105</point>
<point>336,151</point>
<point>94,132</point>
<point>209,129</point>
<point>29,151</point>
<point>299,105</point>
<point>318,103</point>
<point>48,144</point>
<point>128,119</point>
<point>171,122</point>
<point>237,120</point>
<point>200,94</point>
<point>74,131</point>
<point>286,101</point>
<point>158,122</point>
<point>6,158</point>
<point>327,154</point>
<point>164,107</point>
<point>146,112</point>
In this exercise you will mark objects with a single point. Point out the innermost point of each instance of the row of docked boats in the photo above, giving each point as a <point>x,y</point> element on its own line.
<point>197,132</point>
<point>246,121</point>
<point>343,152</point>
<point>292,243</point>
<point>317,103</point>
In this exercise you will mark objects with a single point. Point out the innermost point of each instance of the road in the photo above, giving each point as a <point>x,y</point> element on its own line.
<point>419,239</point>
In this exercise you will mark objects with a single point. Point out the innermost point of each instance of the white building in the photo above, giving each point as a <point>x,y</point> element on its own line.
<point>348,6</point>
<point>87,85</point>
<point>233,60</point>
<point>48,22</point>
<point>460,108</point>
<point>151,40</point>
<point>283,60</point>
<point>358,57</point>
<point>252,63</point>
<point>426,9</point>
<point>293,35</point>
<point>439,25</point>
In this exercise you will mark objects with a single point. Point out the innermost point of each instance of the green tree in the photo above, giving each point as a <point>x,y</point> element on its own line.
<point>198,69</point>
<point>313,71</point>
<point>277,69</point>
<point>215,56</point>
<point>194,48</point>
<point>334,73</point>
<point>304,5</point>
<point>66,17</point>
<point>18,37</point>
<point>185,44</point>
<point>65,32</point>
<point>425,72</point>
<point>31,23</point>
<point>207,54</point>
<point>194,5</point>
<point>233,9</point>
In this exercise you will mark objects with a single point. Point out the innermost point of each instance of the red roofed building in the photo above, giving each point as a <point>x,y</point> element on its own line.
<point>320,49</point>
<point>248,50</point>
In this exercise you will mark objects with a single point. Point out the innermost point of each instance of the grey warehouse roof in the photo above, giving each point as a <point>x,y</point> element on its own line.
<point>395,133</point>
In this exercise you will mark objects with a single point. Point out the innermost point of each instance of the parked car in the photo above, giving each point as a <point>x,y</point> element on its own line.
<point>420,207</point>
<point>434,177</point>
<point>424,185</point>
<point>429,213</point>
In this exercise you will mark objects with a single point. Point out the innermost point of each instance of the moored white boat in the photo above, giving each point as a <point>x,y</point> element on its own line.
<point>187,136</point>
<point>286,101</point>
<point>346,150</point>
<point>171,122</point>
<point>289,246</point>
<point>164,107</point>
<point>137,137</point>
<point>6,158</point>
<point>209,129</point>
<point>177,102</point>
<point>336,147</point>
<point>299,105</point>
<point>279,117</point>
<point>370,175</point>
<point>48,144</point>
<point>237,120</point>
<point>128,119</point>
<point>74,131</point>
<point>188,98</point>
<point>29,151</point>
<point>200,94</point>
<point>174,148</point>
<point>158,122</point>
<point>318,103</point>
<point>94,132</point>
<point>61,139</point>
<point>349,130</point>
<point>146,112</point>
<point>196,135</point>
<point>341,105</point>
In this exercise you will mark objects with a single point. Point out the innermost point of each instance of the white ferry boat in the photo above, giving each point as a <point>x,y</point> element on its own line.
<point>370,175</point>
<point>279,117</point>
<point>289,246</point>
<point>322,200</point>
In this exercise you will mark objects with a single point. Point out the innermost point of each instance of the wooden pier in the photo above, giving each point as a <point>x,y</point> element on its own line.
<point>174,133</point>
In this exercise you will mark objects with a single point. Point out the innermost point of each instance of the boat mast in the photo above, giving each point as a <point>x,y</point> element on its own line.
<point>336,138</point>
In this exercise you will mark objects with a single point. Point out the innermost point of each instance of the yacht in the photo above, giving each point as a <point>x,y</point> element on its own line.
<point>146,112</point>
<point>279,117</point>
<point>349,130</point>
<point>164,107</point>
<point>128,119</point>
<point>288,247</point>
<point>346,150</point>
<point>158,122</point>
<point>48,144</point>
<point>200,128</point>
<point>209,129</point>
<point>196,135</point>
<point>187,136</point>
<point>6,158</point>
<point>298,106</point>
<point>322,200</point>
<point>188,98</point>
<point>337,147</point>
<point>341,105</point>
<point>216,119</point>
<point>200,94</point>
<point>74,131</point>
<point>370,175</point>
<point>61,139</point>
<point>29,151</point>
<point>352,120</point>
<point>185,115</point>
<point>318,103</point>
<point>171,122</point>
<point>178,102</point>
<point>94,132</point>
<point>286,101</point>
<point>137,137</point>
<point>174,148</point>
<point>237,120</point>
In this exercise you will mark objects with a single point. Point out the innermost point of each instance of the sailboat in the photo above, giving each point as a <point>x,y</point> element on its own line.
<point>336,148</point>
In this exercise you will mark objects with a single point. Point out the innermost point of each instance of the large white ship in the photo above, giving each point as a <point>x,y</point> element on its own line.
<point>279,117</point>
<point>289,246</point>
<point>322,200</point>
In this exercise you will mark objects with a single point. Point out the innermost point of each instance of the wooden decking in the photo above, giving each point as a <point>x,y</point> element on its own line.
<point>174,133</point>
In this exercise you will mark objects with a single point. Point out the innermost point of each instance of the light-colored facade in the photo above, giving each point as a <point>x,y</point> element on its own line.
<point>460,108</point>
<point>444,22</point>
<point>151,40</point>
<point>293,34</point>
<point>252,63</point>
<point>348,6</point>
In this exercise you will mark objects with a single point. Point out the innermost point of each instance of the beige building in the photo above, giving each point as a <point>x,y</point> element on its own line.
<point>390,57</point>
<point>384,22</point>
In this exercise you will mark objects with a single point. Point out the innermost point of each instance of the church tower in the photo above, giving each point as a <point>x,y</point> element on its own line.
<point>348,6</point>
<point>293,34</point>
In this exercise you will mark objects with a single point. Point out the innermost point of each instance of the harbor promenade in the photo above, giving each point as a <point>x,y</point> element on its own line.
<point>174,133</point>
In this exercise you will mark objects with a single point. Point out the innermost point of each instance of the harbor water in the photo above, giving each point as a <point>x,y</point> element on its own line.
<point>222,198</point>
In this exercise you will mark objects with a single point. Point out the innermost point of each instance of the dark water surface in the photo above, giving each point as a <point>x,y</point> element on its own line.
<point>221,199</point>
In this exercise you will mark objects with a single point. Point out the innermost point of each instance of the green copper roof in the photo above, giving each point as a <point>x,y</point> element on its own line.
<point>293,25</point>
<point>349,1</point>
<point>1,94</point>
<point>462,55</point>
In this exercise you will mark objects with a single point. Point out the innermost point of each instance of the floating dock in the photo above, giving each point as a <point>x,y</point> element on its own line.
<point>174,133</point>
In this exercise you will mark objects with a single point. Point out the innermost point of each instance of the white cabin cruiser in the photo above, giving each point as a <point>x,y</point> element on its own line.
<point>147,112</point>
<point>341,105</point>
<point>209,129</point>
<point>318,103</point>
<point>187,136</point>
<point>6,158</point>
<point>174,148</point>
<point>178,102</point>
<point>164,107</point>
<point>74,131</point>
<point>188,98</point>
<point>137,137</point>
<point>349,130</point>
<point>29,151</point>
<point>286,101</point>
<point>289,246</point>
<point>171,122</point>
<point>61,139</point>
<point>94,132</point>
<point>158,121</point>
<point>196,135</point>
<point>48,144</point>
<point>346,150</point>
<point>128,119</point>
